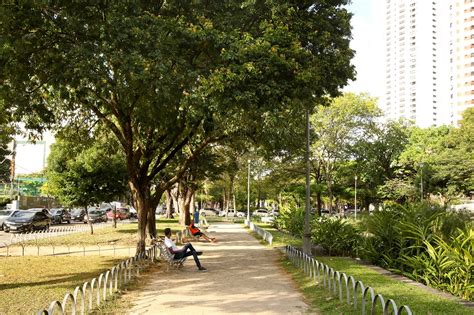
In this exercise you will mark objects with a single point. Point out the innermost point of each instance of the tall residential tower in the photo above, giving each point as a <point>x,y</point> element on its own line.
<point>461,57</point>
<point>417,61</point>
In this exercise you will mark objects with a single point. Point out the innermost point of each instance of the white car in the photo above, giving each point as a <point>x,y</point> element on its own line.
<point>260,213</point>
<point>269,219</point>
<point>208,212</point>
<point>230,213</point>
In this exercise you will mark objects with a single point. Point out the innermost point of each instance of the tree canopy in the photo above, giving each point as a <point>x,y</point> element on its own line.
<point>171,76</point>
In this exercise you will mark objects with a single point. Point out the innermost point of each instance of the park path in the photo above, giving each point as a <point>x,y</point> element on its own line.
<point>243,277</point>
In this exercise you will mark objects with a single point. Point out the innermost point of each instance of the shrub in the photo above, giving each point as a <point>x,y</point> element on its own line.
<point>381,243</point>
<point>336,236</point>
<point>291,220</point>
<point>446,266</point>
<point>423,242</point>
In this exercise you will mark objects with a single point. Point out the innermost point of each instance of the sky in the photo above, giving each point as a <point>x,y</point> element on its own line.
<point>367,26</point>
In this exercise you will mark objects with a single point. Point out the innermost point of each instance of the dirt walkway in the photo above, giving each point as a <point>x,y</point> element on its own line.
<point>243,277</point>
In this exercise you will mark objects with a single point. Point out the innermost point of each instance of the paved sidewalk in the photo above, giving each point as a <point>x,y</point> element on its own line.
<point>243,277</point>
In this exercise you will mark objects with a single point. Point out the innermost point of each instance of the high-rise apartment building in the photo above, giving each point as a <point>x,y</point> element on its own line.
<point>429,60</point>
<point>417,61</point>
<point>461,57</point>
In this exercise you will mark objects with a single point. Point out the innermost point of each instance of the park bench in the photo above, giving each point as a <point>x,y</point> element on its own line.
<point>168,257</point>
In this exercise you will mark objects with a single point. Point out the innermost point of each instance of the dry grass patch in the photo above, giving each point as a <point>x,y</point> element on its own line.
<point>28,284</point>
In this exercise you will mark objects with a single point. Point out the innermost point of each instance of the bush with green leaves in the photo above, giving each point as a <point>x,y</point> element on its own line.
<point>292,221</point>
<point>443,265</point>
<point>337,236</point>
<point>423,242</point>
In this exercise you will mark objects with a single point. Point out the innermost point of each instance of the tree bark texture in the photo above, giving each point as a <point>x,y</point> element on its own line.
<point>142,202</point>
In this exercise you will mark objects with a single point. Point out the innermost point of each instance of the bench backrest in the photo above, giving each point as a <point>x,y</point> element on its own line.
<point>165,252</point>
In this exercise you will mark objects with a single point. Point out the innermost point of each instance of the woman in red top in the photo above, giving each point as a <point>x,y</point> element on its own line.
<point>197,232</point>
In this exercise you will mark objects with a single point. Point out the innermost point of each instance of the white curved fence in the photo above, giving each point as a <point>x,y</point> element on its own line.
<point>343,285</point>
<point>52,232</point>
<point>267,236</point>
<point>25,249</point>
<point>91,294</point>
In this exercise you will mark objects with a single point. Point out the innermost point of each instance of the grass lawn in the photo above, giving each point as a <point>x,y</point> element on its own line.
<point>28,284</point>
<point>280,238</point>
<point>419,300</point>
<point>124,235</point>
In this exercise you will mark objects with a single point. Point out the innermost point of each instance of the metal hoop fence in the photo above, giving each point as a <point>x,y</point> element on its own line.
<point>267,236</point>
<point>91,294</point>
<point>52,232</point>
<point>345,286</point>
<point>25,249</point>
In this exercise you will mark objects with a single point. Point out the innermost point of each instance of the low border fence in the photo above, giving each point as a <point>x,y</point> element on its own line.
<point>52,232</point>
<point>8,250</point>
<point>333,281</point>
<point>267,236</point>
<point>84,298</point>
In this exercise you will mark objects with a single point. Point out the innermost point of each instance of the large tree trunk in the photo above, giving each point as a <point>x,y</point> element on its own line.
<point>151,219</point>
<point>319,202</point>
<point>174,197</point>
<point>188,194</point>
<point>330,193</point>
<point>142,203</point>
<point>169,203</point>
<point>89,221</point>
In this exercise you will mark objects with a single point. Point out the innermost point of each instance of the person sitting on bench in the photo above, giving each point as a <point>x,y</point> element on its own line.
<point>186,251</point>
<point>197,232</point>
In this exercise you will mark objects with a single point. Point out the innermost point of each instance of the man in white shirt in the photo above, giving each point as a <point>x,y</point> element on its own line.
<point>186,251</point>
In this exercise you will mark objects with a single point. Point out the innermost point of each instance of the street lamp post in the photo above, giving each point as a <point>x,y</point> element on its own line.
<point>355,197</point>
<point>248,193</point>
<point>421,182</point>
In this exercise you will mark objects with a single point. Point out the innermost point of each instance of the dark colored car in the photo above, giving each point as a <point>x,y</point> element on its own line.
<point>43,210</point>
<point>27,221</point>
<point>96,216</point>
<point>60,215</point>
<point>78,214</point>
<point>4,215</point>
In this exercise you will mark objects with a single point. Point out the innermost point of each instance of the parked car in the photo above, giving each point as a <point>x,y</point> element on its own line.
<point>232,213</point>
<point>133,213</point>
<point>27,221</point>
<point>4,215</point>
<point>268,219</point>
<point>60,215</point>
<point>120,214</point>
<point>43,210</point>
<point>260,213</point>
<point>229,212</point>
<point>106,207</point>
<point>96,216</point>
<point>78,214</point>
<point>209,212</point>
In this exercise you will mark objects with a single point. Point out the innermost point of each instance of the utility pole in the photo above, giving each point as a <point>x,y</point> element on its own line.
<point>421,182</point>
<point>248,193</point>
<point>355,197</point>
<point>12,169</point>
<point>307,230</point>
